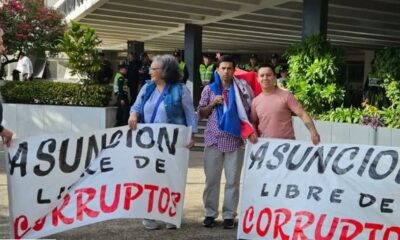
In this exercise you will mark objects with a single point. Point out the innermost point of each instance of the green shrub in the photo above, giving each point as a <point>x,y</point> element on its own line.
<point>391,116</point>
<point>341,114</point>
<point>369,115</point>
<point>81,43</point>
<point>313,74</point>
<point>56,93</point>
<point>387,67</point>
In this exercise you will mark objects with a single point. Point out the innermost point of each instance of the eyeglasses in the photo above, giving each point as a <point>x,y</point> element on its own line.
<point>153,69</point>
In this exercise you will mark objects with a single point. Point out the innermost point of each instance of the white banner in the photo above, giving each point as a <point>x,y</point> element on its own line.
<point>60,182</point>
<point>295,190</point>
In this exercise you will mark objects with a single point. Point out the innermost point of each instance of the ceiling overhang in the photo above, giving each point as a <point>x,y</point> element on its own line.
<point>236,26</point>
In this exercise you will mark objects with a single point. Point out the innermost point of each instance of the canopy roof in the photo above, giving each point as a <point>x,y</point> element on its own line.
<point>234,25</point>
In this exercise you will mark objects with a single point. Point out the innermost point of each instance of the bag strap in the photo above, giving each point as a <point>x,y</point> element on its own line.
<point>160,99</point>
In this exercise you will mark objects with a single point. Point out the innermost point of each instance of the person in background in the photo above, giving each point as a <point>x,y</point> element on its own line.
<point>252,66</point>
<point>281,82</point>
<point>163,99</point>
<point>104,76</point>
<point>144,70</point>
<point>182,67</point>
<point>5,134</point>
<point>222,102</point>
<point>133,64</point>
<point>121,92</point>
<point>275,64</point>
<point>271,110</point>
<point>25,67</point>
<point>218,55</point>
<point>206,69</point>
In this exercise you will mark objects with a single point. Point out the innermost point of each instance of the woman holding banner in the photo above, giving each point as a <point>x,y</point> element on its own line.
<point>163,100</point>
<point>271,111</point>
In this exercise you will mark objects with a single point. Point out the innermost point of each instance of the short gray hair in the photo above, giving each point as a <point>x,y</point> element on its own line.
<point>169,67</point>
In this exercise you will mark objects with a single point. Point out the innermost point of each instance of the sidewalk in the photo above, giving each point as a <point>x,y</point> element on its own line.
<point>132,228</point>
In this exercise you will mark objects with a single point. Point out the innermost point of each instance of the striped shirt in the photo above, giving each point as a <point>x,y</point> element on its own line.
<point>223,141</point>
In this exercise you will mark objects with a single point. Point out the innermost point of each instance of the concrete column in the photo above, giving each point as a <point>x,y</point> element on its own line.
<point>315,17</point>
<point>193,48</point>
<point>136,47</point>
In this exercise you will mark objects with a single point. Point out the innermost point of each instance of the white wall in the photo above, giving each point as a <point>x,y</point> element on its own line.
<point>29,119</point>
<point>331,132</point>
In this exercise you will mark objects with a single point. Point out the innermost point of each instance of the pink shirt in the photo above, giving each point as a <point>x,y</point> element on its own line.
<point>274,113</point>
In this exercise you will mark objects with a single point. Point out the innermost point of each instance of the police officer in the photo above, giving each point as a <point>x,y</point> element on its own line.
<point>182,67</point>
<point>144,70</point>
<point>121,92</point>
<point>275,65</point>
<point>206,69</point>
<point>252,66</point>
<point>133,63</point>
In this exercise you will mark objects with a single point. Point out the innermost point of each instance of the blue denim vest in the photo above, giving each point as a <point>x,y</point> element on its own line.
<point>172,103</point>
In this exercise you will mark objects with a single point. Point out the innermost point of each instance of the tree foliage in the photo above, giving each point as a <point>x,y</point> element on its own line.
<point>80,43</point>
<point>31,27</point>
<point>313,74</point>
<point>387,67</point>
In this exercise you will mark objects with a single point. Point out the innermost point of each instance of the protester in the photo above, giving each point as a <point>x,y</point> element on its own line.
<point>5,134</point>
<point>121,92</point>
<point>25,67</point>
<point>223,103</point>
<point>163,99</point>
<point>271,111</point>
